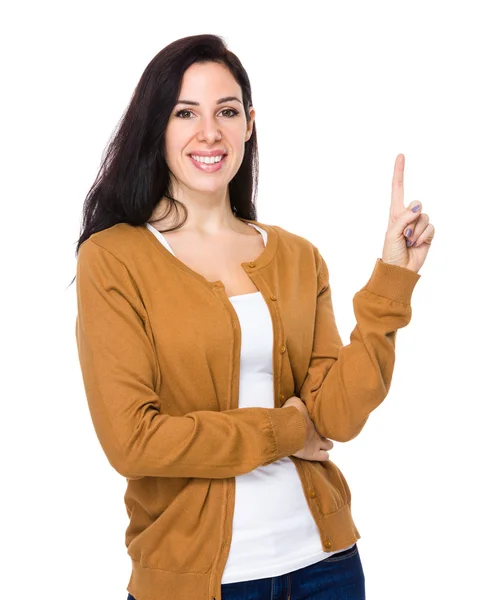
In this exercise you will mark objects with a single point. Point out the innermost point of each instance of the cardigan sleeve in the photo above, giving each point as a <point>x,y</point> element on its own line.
<point>344,384</point>
<point>119,368</point>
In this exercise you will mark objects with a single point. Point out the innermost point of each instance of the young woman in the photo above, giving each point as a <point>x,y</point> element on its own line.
<point>213,368</point>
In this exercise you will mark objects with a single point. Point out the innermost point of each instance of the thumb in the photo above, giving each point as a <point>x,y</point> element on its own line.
<point>411,214</point>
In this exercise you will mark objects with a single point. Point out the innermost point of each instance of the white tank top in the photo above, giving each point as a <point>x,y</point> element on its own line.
<point>273,530</point>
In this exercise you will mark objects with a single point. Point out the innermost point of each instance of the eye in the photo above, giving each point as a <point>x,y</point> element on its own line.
<point>232,110</point>
<point>180,112</point>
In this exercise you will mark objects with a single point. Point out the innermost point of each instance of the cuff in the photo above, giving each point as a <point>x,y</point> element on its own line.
<point>393,282</point>
<point>289,430</point>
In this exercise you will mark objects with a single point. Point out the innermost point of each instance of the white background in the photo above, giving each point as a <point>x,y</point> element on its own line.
<point>340,88</point>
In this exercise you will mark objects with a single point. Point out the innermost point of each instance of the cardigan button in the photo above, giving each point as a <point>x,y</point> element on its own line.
<point>312,494</point>
<point>273,297</point>
<point>252,264</point>
<point>282,397</point>
<point>282,349</point>
<point>328,543</point>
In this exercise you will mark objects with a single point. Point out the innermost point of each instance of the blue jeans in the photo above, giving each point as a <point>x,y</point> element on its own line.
<point>338,577</point>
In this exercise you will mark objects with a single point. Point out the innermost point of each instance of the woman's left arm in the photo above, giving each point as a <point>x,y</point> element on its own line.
<point>344,384</point>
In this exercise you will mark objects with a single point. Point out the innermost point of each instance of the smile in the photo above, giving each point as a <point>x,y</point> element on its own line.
<point>214,163</point>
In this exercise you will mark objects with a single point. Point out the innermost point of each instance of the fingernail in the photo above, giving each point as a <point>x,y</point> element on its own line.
<point>408,232</point>
<point>416,208</point>
<point>408,243</point>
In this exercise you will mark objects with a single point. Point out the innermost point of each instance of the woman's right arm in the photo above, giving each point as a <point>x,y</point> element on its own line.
<point>118,368</point>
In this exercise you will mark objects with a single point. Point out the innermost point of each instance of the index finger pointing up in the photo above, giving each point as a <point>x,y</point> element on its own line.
<point>397,205</point>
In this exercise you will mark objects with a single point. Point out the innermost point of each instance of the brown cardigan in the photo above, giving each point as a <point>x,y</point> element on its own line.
<point>159,349</point>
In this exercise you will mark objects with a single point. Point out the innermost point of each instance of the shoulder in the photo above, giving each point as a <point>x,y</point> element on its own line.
<point>121,240</point>
<point>292,245</point>
<point>305,254</point>
<point>118,253</point>
<point>292,238</point>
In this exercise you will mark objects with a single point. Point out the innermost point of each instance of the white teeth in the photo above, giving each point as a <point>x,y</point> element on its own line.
<point>208,160</point>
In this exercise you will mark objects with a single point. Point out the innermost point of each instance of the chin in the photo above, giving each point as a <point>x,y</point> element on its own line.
<point>219,189</point>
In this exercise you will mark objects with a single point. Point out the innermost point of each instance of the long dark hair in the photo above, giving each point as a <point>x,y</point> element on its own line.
<point>134,176</point>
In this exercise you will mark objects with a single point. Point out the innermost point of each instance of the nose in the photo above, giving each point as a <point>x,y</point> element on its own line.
<point>209,131</point>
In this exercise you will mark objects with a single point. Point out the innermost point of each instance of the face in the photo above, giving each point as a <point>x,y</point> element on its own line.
<point>208,122</point>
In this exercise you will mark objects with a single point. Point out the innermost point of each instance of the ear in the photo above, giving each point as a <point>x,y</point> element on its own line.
<point>249,130</point>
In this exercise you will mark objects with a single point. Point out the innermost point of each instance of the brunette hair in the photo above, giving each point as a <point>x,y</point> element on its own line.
<point>134,175</point>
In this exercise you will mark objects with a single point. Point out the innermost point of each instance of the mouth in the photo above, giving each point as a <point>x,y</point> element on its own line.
<point>213,164</point>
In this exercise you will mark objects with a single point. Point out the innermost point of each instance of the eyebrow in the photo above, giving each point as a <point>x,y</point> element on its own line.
<point>220,101</point>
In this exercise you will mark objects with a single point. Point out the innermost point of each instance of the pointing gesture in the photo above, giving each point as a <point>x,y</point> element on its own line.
<point>409,233</point>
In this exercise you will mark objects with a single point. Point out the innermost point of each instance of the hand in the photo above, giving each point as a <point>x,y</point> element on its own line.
<point>315,446</point>
<point>405,224</point>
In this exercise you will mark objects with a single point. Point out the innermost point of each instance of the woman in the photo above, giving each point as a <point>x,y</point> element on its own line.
<point>213,368</point>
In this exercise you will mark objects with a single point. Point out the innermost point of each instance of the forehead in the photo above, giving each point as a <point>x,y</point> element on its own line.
<point>208,80</point>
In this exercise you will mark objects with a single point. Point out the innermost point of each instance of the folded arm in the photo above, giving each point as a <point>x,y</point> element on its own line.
<point>119,369</point>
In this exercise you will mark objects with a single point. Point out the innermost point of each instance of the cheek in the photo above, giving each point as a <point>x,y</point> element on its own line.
<point>175,139</point>
<point>170,154</point>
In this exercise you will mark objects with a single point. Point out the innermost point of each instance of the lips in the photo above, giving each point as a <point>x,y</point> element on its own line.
<point>208,168</point>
